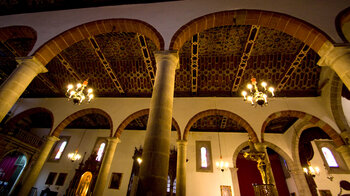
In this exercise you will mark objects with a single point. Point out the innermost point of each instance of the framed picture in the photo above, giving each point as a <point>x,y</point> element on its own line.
<point>225,190</point>
<point>116,179</point>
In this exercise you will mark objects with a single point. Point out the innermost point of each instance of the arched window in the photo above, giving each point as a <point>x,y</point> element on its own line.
<point>100,151</point>
<point>328,155</point>
<point>204,159</point>
<point>168,185</point>
<point>60,150</point>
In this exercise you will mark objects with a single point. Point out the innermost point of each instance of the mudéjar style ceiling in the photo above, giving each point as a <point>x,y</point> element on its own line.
<point>216,62</point>
<point>29,6</point>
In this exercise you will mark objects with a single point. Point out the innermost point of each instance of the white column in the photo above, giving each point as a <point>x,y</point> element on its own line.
<point>338,58</point>
<point>29,182</point>
<point>18,81</point>
<point>181,168</point>
<point>235,181</point>
<point>102,178</point>
<point>153,174</point>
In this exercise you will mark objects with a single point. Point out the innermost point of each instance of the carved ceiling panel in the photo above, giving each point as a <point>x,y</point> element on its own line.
<point>280,125</point>
<point>90,121</point>
<point>213,123</point>
<point>141,124</point>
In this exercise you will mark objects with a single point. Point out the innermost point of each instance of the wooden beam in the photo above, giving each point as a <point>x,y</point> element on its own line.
<point>106,64</point>
<point>146,57</point>
<point>223,122</point>
<point>253,34</point>
<point>194,63</point>
<point>297,61</point>
<point>69,68</point>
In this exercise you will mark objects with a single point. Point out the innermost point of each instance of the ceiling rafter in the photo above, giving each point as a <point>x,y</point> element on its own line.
<point>297,61</point>
<point>106,64</point>
<point>223,122</point>
<point>138,121</point>
<point>253,34</point>
<point>194,62</point>
<point>146,57</point>
<point>68,67</point>
<point>41,77</point>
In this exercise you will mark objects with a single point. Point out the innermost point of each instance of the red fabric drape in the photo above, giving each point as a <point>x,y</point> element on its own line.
<point>8,166</point>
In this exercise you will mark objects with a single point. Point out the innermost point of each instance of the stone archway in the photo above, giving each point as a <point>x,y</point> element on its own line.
<point>78,114</point>
<point>228,114</point>
<point>64,40</point>
<point>309,120</point>
<point>295,27</point>
<point>138,114</point>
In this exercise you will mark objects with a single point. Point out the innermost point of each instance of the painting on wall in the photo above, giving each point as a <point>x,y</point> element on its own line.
<point>325,193</point>
<point>116,179</point>
<point>225,190</point>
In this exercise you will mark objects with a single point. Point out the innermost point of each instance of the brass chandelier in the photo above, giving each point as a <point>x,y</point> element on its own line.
<point>257,96</point>
<point>80,93</point>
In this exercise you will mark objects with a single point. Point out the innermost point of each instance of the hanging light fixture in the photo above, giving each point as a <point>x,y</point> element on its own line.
<point>221,164</point>
<point>312,171</point>
<point>75,156</point>
<point>79,94</point>
<point>256,96</point>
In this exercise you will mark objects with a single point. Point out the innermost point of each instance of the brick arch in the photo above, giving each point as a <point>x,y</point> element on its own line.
<point>14,32</point>
<point>342,18</point>
<point>79,114</point>
<point>228,114</point>
<point>295,27</point>
<point>307,118</point>
<point>62,41</point>
<point>11,122</point>
<point>17,32</point>
<point>138,114</point>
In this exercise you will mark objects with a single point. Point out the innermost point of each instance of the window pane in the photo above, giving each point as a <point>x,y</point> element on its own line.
<point>59,153</point>
<point>328,155</point>
<point>100,152</point>
<point>204,160</point>
<point>168,185</point>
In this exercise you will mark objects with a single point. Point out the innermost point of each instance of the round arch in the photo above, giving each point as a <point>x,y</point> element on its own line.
<point>79,114</point>
<point>295,27</point>
<point>342,22</point>
<point>310,120</point>
<point>15,119</point>
<point>18,32</point>
<point>64,40</point>
<point>228,114</point>
<point>138,114</point>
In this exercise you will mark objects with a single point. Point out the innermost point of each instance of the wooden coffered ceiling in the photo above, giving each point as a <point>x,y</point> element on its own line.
<point>216,62</point>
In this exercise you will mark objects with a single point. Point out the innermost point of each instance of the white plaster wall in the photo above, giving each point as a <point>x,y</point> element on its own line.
<point>168,17</point>
<point>346,108</point>
<point>291,186</point>
<point>184,108</point>
<point>321,180</point>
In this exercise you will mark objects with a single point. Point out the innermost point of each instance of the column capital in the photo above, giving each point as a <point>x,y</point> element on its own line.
<point>181,142</point>
<point>332,54</point>
<point>52,138</point>
<point>113,140</point>
<point>260,146</point>
<point>32,61</point>
<point>172,55</point>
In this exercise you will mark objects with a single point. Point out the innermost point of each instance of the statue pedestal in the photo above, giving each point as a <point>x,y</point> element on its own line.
<point>264,189</point>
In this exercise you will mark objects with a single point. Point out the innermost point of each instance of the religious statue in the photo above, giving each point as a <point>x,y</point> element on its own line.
<point>260,158</point>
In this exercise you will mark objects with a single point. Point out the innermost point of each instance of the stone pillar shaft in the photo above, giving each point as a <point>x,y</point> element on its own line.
<point>298,175</point>
<point>181,168</point>
<point>17,82</point>
<point>105,166</point>
<point>153,174</point>
<point>29,182</point>
<point>338,58</point>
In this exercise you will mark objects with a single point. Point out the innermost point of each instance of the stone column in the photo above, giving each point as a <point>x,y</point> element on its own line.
<point>235,181</point>
<point>153,174</point>
<point>17,82</point>
<point>181,168</point>
<point>338,58</point>
<point>298,176</point>
<point>102,177</point>
<point>344,150</point>
<point>29,182</point>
